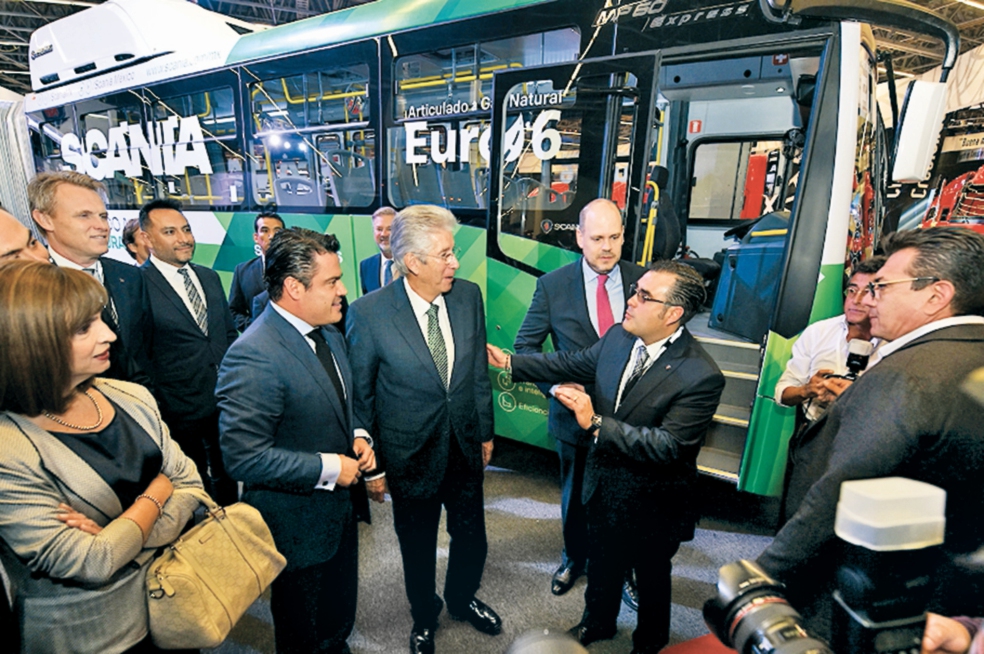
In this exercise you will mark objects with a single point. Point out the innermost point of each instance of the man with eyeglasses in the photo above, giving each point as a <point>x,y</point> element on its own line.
<point>575,306</point>
<point>907,416</point>
<point>656,391</point>
<point>822,348</point>
<point>422,391</point>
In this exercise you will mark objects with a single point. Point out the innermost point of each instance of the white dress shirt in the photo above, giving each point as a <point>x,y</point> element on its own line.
<point>616,296</point>
<point>420,307</point>
<point>822,345</point>
<point>176,280</point>
<point>654,349</point>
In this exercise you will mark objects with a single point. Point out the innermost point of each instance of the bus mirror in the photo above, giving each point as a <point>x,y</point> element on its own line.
<point>918,131</point>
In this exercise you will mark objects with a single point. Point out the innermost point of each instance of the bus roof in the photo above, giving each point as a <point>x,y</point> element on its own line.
<point>364,21</point>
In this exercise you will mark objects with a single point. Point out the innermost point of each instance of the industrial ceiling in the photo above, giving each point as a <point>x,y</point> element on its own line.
<point>911,53</point>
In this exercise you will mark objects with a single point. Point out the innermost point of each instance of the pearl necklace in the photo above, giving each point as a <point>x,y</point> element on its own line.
<point>61,422</point>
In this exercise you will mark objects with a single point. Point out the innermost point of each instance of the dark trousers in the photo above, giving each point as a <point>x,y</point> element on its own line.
<point>417,520</point>
<point>616,546</point>
<point>314,607</point>
<point>199,439</point>
<point>572,514</point>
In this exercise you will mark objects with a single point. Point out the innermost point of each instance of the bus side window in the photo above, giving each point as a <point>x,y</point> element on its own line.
<point>312,143</point>
<point>738,180</point>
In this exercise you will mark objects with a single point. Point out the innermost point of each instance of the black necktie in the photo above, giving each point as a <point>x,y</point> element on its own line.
<point>327,361</point>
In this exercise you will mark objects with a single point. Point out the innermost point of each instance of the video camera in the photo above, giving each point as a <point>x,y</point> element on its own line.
<point>892,529</point>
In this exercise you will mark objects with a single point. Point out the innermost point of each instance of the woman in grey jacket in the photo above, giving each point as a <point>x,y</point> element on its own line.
<point>90,480</point>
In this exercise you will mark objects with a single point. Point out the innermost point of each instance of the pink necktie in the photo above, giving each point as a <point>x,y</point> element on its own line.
<point>605,319</point>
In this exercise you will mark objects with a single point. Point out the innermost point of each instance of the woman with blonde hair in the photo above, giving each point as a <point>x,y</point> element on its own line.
<point>90,480</point>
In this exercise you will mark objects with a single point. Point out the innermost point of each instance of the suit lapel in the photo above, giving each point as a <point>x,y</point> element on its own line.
<point>659,371</point>
<point>155,277</point>
<point>608,384</point>
<point>461,332</point>
<point>70,469</point>
<point>407,326</point>
<point>213,308</point>
<point>576,290</point>
<point>294,343</point>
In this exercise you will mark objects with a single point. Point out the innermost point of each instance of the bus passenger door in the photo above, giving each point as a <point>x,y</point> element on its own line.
<point>560,137</point>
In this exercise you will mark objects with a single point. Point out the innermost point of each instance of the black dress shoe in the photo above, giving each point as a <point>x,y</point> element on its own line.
<point>630,593</point>
<point>480,615</point>
<point>564,578</point>
<point>421,641</point>
<point>587,634</point>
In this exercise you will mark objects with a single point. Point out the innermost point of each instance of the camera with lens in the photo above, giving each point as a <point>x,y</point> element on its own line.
<point>891,531</point>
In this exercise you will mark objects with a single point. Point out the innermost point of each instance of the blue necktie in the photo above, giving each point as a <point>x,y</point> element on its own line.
<point>387,272</point>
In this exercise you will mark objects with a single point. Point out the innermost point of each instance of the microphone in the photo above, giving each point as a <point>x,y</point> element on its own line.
<point>859,352</point>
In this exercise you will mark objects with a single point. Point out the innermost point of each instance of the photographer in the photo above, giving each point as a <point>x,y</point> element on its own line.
<point>906,417</point>
<point>822,349</point>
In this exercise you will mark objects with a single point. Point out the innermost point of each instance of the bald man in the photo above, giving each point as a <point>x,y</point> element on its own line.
<point>17,241</point>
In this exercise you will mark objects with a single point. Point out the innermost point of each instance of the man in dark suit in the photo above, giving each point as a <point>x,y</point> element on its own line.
<point>377,271</point>
<point>656,391</point>
<point>285,394</point>
<point>575,306</point>
<point>247,280</point>
<point>422,389</point>
<point>68,208</point>
<point>906,416</point>
<point>192,331</point>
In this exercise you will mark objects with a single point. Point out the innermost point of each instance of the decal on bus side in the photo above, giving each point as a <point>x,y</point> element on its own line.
<point>163,153</point>
<point>545,141</point>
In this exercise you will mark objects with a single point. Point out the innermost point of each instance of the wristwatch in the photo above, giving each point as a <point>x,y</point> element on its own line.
<point>596,421</point>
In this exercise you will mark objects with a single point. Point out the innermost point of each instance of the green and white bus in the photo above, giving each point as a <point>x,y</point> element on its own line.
<point>514,114</point>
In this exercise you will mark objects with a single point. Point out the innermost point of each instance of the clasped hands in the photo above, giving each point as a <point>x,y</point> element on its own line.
<point>353,469</point>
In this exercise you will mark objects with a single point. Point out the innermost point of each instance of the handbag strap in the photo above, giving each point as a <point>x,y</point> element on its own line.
<point>203,498</point>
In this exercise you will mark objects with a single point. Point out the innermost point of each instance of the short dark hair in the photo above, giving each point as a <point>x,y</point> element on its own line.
<point>130,235</point>
<point>688,290</point>
<point>954,254</point>
<point>273,215</point>
<point>291,254</point>
<point>41,308</point>
<point>869,266</point>
<point>159,203</point>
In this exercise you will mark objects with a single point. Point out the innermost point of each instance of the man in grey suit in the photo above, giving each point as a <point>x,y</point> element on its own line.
<point>575,306</point>
<point>907,416</point>
<point>422,389</point>
<point>656,393</point>
<point>285,395</point>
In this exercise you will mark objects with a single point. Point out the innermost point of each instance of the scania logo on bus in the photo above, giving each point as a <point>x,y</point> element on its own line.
<point>629,10</point>
<point>168,147</point>
<point>42,51</point>
<point>546,226</point>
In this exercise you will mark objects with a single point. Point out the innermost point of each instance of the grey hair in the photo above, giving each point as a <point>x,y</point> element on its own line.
<point>414,229</point>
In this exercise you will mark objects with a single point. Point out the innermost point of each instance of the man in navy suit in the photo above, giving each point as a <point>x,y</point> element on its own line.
<point>576,305</point>
<point>247,280</point>
<point>192,331</point>
<point>68,208</point>
<point>285,394</point>
<point>422,389</point>
<point>377,271</point>
<point>656,391</point>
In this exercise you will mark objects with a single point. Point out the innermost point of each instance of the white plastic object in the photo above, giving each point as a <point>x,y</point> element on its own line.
<point>890,514</point>
<point>918,133</point>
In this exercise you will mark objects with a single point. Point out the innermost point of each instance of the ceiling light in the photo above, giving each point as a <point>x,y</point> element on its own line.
<point>18,44</point>
<point>14,72</point>
<point>972,3</point>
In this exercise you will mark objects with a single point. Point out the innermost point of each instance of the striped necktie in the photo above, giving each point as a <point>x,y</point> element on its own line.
<point>110,306</point>
<point>436,344</point>
<point>638,370</point>
<point>198,307</point>
<point>387,272</point>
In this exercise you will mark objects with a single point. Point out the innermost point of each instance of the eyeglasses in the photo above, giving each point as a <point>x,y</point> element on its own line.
<point>453,255</point>
<point>852,291</point>
<point>876,287</point>
<point>646,297</point>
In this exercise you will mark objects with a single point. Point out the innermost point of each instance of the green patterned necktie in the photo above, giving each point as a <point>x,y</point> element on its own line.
<point>436,345</point>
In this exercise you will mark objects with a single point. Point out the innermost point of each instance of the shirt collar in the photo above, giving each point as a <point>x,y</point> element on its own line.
<point>656,347</point>
<point>419,305</point>
<point>62,262</point>
<point>300,325</point>
<point>615,274</point>
<point>889,348</point>
<point>166,268</point>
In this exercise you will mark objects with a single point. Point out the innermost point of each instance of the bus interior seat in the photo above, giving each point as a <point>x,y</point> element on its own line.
<point>459,189</point>
<point>746,292</point>
<point>352,177</point>
<point>261,187</point>
<point>420,184</point>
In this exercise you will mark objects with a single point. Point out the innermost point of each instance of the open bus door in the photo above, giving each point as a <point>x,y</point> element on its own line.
<point>561,136</point>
